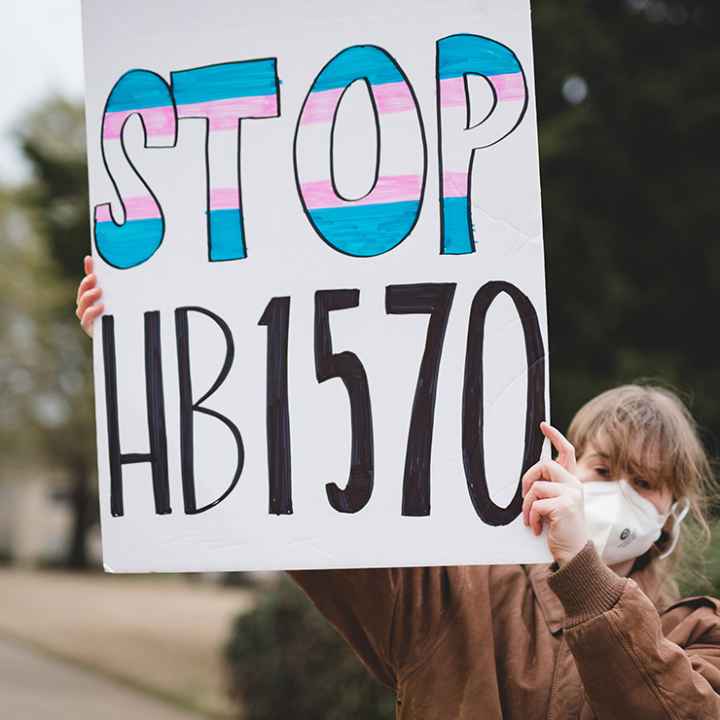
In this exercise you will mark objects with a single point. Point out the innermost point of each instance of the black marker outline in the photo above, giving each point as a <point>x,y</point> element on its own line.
<point>423,139</point>
<point>347,366</point>
<point>471,162</point>
<point>436,300</point>
<point>376,117</point>
<point>188,407</point>
<point>155,406</point>
<point>473,448</point>
<point>131,164</point>
<point>277,412</point>
<point>467,100</point>
<point>238,154</point>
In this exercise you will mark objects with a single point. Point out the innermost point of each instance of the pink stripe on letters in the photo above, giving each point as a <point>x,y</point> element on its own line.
<point>393,97</point>
<point>455,184</point>
<point>509,87</point>
<point>142,207</point>
<point>320,106</point>
<point>452,92</point>
<point>102,213</point>
<point>159,121</point>
<point>391,188</point>
<point>224,114</point>
<point>225,198</point>
<point>389,98</point>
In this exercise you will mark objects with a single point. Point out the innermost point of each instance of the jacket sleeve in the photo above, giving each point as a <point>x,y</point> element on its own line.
<point>628,667</point>
<point>391,617</point>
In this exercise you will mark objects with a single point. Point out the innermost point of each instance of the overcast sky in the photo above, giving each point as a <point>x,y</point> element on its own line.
<point>41,54</point>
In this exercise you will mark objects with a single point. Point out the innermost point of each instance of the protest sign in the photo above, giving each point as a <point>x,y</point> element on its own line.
<point>317,228</point>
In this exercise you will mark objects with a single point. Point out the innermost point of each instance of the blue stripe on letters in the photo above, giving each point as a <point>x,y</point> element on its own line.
<point>129,244</point>
<point>360,61</point>
<point>457,237</point>
<point>227,240</point>
<point>138,89</point>
<point>460,54</point>
<point>222,82</point>
<point>366,230</point>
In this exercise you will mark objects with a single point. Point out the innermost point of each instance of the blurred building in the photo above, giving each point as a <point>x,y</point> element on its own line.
<point>35,519</point>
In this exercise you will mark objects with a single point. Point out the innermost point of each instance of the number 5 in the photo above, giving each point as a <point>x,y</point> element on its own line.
<point>347,366</point>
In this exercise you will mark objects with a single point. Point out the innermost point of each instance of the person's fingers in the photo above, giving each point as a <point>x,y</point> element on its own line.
<point>547,470</point>
<point>541,509</point>
<point>89,317</point>
<point>88,282</point>
<point>565,449</point>
<point>88,298</point>
<point>532,474</point>
<point>88,294</point>
<point>540,490</point>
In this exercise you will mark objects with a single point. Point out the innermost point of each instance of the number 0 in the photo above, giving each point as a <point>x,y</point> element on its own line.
<point>472,408</point>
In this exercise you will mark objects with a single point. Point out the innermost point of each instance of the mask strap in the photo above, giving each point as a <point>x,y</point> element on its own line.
<point>679,516</point>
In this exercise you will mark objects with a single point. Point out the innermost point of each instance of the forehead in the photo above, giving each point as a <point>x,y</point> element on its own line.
<point>634,456</point>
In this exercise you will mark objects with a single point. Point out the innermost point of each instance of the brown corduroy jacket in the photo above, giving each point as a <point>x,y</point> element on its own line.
<point>526,643</point>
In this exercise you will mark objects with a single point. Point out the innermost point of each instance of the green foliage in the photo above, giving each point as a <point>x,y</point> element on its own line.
<point>712,564</point>
<point>53,142</point>
<point>286,661</point>
<point>46,419</point>
<point>699,574</point>
<point>629,201</point>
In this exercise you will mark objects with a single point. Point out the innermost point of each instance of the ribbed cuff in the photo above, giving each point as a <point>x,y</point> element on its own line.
<point>586,586</point>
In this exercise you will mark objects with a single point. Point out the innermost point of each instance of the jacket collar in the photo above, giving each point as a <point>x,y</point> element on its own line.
<point>648,578</point>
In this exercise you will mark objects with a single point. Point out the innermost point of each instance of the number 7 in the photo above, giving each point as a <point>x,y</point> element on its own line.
<point>435,299</point>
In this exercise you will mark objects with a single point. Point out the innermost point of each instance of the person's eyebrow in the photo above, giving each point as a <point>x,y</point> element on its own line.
<point>600,455</point>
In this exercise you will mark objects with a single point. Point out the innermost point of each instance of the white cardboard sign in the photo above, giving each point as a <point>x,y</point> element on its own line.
<point>317,228</point>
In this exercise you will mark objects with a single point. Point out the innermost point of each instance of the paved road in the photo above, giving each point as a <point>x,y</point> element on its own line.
<point>164,634</point>
<point>36,687</point>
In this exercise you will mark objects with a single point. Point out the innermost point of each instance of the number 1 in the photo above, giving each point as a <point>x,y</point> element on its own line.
<point>276,318</point>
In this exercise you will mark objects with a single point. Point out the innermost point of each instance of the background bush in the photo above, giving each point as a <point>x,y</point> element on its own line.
<point>286,661</point>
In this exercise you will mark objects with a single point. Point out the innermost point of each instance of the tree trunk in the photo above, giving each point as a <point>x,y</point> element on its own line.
<point>80,499</point>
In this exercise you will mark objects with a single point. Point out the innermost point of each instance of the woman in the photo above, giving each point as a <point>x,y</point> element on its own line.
<point>598,634</point>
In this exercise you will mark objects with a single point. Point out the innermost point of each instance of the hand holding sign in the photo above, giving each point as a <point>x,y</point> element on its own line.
<point>553,496</point>
<point>266,208</point>
<point>88,308</point>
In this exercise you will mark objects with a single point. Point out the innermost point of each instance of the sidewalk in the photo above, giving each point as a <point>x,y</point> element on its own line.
<point>35,687</point>
<point>162,634</point>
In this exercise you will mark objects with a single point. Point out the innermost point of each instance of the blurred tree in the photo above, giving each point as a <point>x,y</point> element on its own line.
<point>26,292</point>
<point>47,391</point>
<point>628,106</point>
<point>286,661</point>
<point>52,139</point>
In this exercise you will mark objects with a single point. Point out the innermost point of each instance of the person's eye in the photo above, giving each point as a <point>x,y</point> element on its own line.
<point>602,471</point>
<point>643,484</point>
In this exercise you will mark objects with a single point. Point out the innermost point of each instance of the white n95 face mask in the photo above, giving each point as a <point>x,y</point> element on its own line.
<point>623,524</point>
